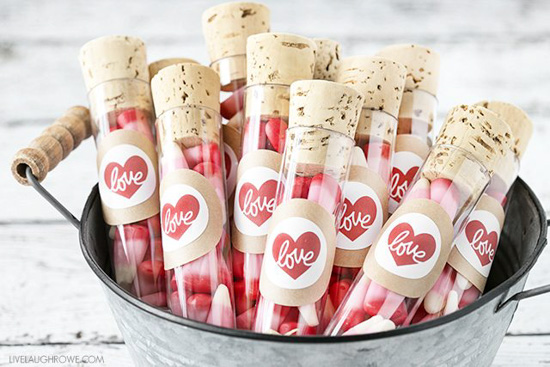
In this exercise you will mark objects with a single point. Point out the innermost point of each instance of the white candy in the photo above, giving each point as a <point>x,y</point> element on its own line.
<point>434,302</point>
<point>365,327</point>
<point>309,314</point>
<point>462,282</point>
<point>358,158</point>
<point>385,325</point>
<point>452,303</point>
<point>272,332</point>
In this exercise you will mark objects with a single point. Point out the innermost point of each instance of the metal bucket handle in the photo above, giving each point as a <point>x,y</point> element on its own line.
<point>35,183</point>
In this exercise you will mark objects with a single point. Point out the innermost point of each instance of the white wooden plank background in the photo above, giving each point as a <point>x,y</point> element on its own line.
<point>51,302</point>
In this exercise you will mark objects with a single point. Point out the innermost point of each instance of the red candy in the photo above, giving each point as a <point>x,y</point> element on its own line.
<point>233,104</point>
<point>338,291</point>
<point>246,319</point>
<point>288,327</point>
<point>207,169</point>
<point>198,306</point>
<point>300,188</point>
<point>203,153</point>
<point>150,277</point>
<point>325,191</point>
<point>155,299</point>
<point>275,130</point>
<point>131,116</point>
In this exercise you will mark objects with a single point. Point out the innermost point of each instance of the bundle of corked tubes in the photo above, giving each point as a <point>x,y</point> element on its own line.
<point>286,191</point>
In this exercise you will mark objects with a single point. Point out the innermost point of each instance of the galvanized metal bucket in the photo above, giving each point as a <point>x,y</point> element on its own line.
<point>470,336</point>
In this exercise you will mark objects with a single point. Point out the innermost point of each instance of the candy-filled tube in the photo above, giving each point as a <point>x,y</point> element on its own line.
<point>365,203</point>
<point>266,122</point>
<point>474,248</point>
<point>194,220</point>
<point>272,67</point>
<point>414,245</point>
<point>122,124</point>
<point>193,216</point>
<point>412,248</point>
<point>300,244</point>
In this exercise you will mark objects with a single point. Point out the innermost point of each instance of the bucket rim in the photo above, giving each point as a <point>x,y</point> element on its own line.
<point>499,290</point>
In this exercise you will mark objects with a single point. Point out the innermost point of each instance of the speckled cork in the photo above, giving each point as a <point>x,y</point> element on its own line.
<point>227,26</point>
<point>186,84</point>
<point>113,57</point>
<point>318,103</point>
<point>478,132</point>
<point>279,58</point>
<point>422,65</point>
<point>380,80</point>
<point>520,124</point>
<point>327,59</point>
<point>156,66</point>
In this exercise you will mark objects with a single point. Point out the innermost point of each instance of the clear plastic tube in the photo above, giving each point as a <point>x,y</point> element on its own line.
<point>199,282</point>
<point>315,166</point>
<point>365,202</point>
<point>136,247</point>
<point>413,245</point>
<point>466,272</point>
<point>266,122</point>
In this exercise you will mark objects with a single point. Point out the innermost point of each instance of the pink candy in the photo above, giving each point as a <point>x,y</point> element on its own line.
<point>325,191</point>
<point>221,312</point>
<point>444,192</point>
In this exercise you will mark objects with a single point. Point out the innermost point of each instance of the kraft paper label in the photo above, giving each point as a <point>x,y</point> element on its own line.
<point>299,253</point>
<point>412,249</point>
<point>364,211</point>
<point>127,165</point>
<point>255,200</point>
<point>409,155</point>
<point>191,217</point>
<point>476,245</point>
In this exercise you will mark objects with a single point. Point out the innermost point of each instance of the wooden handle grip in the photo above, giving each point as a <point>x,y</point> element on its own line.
<point>53,145</point>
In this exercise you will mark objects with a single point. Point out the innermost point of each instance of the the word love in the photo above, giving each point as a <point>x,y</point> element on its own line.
<point>482,242</point>
<point>126,179</point>
<point>357,218</point>
<point>296,257</point>
<point>407,248</point>
<point>258,204</point>
<point>399,183</point>
<point>176,220</point>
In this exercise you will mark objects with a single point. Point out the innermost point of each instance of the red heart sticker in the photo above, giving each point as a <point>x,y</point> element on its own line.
<point>357,218</point>
<point>126,180</point>
<point>258,205</point>
<point>408,248</point>
<point>178,219</point>
<point>484,244</point>
<point>400,182</point>
<point>296,257</point>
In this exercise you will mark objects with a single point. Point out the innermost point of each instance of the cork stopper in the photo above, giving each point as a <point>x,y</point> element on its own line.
<point>113,57</point>
<point>156,66</point>
<point>421,62</point>
<point>479,131</point>
<point>184,85</point>
<point>329,105</point>
<point>227,26</point>
<point>327,59</point>
<point>279,58</point>
<point>380,80</point>
<point>518,121</point>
